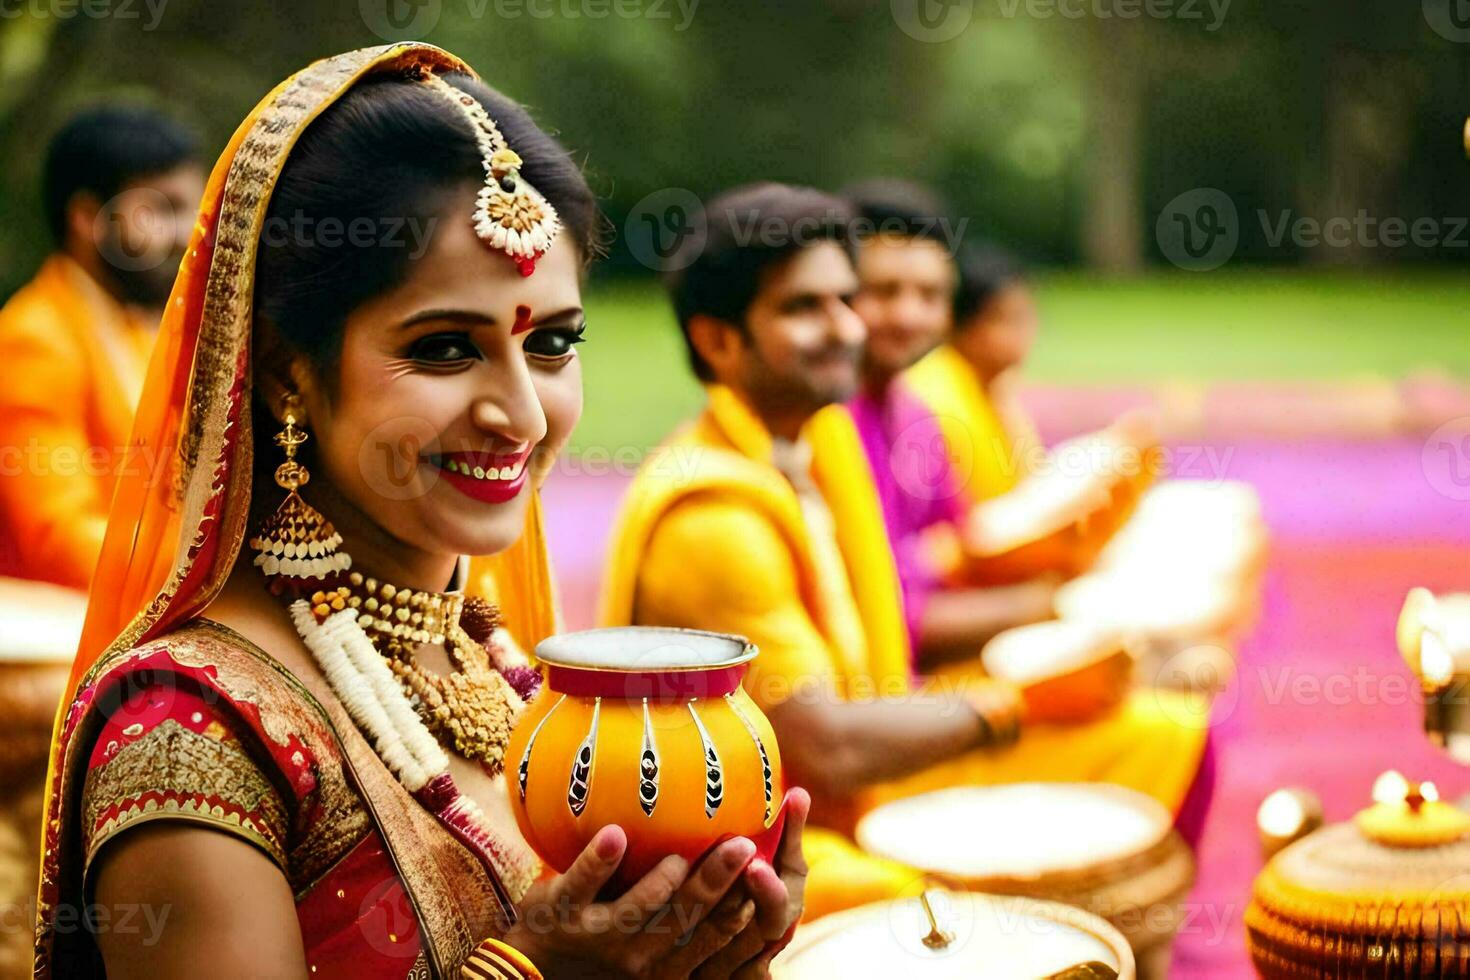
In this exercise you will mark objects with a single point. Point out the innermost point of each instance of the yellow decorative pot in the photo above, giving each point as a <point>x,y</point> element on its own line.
<point>648,729</point>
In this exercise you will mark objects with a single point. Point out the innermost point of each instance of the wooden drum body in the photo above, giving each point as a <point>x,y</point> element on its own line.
<point>1067,672</point>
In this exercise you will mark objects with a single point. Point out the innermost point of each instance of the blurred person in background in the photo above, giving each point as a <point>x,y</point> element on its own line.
<point>120,188</point>
<point>908,282</point>
<point>734,524</point>
<point>969,381</point>
<point>761,518</point>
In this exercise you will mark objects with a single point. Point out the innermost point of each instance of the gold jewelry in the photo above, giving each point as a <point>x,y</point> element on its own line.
<point>472,709</point>
<point>495,960</point>
<point>298,547</point>
<point>510,215</point>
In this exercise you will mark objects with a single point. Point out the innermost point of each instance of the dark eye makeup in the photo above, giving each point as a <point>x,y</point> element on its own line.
<point>443,348</point>
<point>554,343</point>
<point>449,348</point>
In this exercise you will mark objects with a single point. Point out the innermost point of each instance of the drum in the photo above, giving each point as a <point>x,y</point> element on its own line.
<point>1067,672</point>
<point>648,729</point>
<point>1164,608</point>
<point>957,936</point>
<point>1386,895</point>
<point>1207,530</point>
<point>1128,454</point>
<point>40,625</point>
<point>1108,850</point>
<point>1039,527</point>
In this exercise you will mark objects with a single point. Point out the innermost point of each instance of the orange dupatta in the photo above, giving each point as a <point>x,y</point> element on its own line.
<point>183,496</point>
<point>179,509</point>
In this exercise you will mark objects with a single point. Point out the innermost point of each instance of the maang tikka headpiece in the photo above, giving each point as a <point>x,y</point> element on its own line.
<point>510,214</point>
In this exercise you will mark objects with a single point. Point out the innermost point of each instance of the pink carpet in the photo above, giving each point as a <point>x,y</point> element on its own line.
<point>1322,699</point>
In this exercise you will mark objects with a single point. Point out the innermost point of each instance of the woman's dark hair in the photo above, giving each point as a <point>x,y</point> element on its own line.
<point>103,149</point>
<point>748,230</point>
<point>389,159</point>
<point>985,270</point>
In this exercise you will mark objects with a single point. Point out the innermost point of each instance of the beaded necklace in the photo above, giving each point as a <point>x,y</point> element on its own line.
<point>471,709</point>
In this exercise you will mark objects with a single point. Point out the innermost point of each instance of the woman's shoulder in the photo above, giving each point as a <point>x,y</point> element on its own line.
<point>200,724</point>
<point>231,674</point>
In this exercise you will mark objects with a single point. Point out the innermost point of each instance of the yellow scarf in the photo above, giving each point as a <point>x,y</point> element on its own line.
<point>728,449</point>
<point>984,454</point>
<point>520,581</point>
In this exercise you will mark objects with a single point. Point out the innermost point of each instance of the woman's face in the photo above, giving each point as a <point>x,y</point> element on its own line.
<point>455,390</point>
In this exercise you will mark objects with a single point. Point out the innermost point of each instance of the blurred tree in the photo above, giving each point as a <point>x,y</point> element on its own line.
<point>1062,127</point>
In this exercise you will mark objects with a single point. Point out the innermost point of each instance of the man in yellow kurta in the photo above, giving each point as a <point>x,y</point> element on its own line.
<point>75,340</point>
<point>761,518</point>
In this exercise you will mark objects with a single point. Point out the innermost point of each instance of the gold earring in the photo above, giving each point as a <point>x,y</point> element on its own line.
<point>298,548</point>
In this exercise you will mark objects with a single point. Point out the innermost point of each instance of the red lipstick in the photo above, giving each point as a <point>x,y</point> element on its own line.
<point>491,478</point>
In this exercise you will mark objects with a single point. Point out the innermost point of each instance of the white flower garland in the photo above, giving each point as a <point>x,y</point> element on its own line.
<point>375,700</point>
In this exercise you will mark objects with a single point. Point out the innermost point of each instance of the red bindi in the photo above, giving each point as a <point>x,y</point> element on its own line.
<point>523,320</point>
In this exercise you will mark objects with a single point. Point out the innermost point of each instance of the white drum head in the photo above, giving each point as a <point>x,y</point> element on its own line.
<point>991,937</point>
<point>1022,830</point>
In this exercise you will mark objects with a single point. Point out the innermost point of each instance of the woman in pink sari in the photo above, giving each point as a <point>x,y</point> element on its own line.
<point>283,752</point>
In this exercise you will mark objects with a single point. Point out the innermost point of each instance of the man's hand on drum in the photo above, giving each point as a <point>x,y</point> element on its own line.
<point>724,917</point>
<point>1000,708</point>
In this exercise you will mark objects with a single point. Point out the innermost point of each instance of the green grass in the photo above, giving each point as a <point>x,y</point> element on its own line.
<point>1181,326</point>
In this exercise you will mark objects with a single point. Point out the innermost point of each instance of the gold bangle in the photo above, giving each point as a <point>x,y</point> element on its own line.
<point>495,960</point>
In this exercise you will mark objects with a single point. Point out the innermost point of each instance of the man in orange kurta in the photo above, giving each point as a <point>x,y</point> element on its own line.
<point>120,185</point>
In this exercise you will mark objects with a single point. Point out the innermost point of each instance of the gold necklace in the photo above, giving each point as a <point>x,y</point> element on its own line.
<point>473,708</point>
